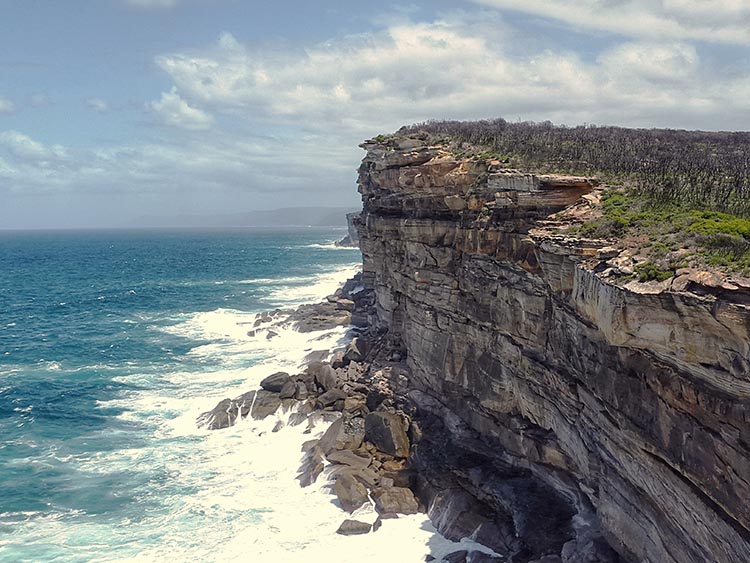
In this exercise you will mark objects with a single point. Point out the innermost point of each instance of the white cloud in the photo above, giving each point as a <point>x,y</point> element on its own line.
<point>719,21</point>
<point>97,105</point>
<point>454,69</point>
<point>285,124</point>
<point>175,111</point>
<point>6,106</point>
<point>39,100</point>
<point>25,148</point>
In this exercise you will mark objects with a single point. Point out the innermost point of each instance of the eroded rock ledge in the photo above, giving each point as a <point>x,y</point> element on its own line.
<point>563,415</point>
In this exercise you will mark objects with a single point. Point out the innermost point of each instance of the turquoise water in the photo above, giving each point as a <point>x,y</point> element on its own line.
<point>110,344</point>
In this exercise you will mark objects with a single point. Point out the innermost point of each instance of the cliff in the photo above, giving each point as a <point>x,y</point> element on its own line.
<point>567,413</point>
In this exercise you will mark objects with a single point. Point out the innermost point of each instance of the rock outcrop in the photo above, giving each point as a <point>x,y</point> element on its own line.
<point>566,417</point>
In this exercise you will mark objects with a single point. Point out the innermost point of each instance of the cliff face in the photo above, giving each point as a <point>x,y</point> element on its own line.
<point>626,408</point>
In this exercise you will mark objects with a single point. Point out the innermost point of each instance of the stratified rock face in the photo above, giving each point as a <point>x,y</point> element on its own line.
<point>631,402</point>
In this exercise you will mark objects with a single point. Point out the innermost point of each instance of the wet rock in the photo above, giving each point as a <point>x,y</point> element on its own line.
<point>395,499</point>
<point>312,466</point>
<point>386,431</point>
<point>353,528</point>
<point>350,492</point>
<point>275,382</point>
<point>265,404</point>
<point>302,391</point>
<point>221,416</point>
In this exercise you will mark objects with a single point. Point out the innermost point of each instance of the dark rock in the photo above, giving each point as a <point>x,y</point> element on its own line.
<point>386,431</point>
<point>481,557</point>
<point>223,415</point>
<point>375,398</point>
<point>312,466</point>
<point>350,492</point>
<point>396,499</point>
<point>456,557</point>
<point>271,334</point>
<point>302,391</point>
<point>278,426</point>
<point>276,381</point>
<point>339,360</point>
<point>325,376</point>
<point>330,397</point>
<point>289,390</point>
<point>357,350</point>
<point>353,528</point>
<point>265,404</point>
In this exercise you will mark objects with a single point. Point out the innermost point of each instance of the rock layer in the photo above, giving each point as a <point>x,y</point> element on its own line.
<point>623,409</point>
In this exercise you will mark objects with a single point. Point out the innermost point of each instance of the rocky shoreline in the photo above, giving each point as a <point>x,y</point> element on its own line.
<point>375,449</point>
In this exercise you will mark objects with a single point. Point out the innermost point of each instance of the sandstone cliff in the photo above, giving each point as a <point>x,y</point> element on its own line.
<point>589,415</point>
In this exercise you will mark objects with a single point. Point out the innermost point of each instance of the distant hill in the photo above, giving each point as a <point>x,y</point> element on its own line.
<point>285,217</point>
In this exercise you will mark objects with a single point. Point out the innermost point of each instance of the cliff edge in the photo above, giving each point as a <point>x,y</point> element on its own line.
<point>569,414</point>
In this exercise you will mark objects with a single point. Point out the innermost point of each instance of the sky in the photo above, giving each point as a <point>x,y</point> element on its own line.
<point>115,109</point>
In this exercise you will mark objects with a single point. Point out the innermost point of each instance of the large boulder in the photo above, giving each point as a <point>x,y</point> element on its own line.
<point>350,492</point>
<point>324,375</point>
<point>396,500</point>
<point>265,404</point>
<point>275,382</point>
<point>386,430</point>
<point>223,415</point>
<point>344,434</point>
<point>353,528</point>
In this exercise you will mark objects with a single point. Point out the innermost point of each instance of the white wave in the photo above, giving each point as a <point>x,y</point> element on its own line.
<point>323,285</point>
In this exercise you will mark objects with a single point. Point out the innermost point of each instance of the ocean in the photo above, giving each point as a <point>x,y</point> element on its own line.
<point>111,344</point>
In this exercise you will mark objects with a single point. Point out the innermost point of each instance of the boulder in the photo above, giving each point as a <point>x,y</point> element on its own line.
<point>275,382</point>
<point>343,434</point>
<point>353,528</point>
<point>221,416</point>
<point>311,468</point>
<point>456,557</point>
<point>330,397</point>
<point>265,404</point>
<point>398,500</point>
<point>387,432</point>
<point>350,492</point>
<point>289,390</point>
<point>348,457</point>
<point>325,376</point>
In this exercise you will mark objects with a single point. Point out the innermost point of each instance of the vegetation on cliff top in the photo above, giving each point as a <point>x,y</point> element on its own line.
<point>702,170</point>
<point>680,198</point>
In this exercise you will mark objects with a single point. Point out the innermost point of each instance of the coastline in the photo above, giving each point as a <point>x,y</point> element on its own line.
<point>348,379</point>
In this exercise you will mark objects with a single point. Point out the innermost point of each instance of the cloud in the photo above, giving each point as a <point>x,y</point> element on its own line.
<point>27,149</point>
<point>6,106</point>
<point>454,68</point>
<point>175,111</point>
<point>282,125</point>
<point>716,21</point>
<point>97,105</point>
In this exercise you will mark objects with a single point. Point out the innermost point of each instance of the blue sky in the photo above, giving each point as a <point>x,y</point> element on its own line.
<point>113,109</point>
